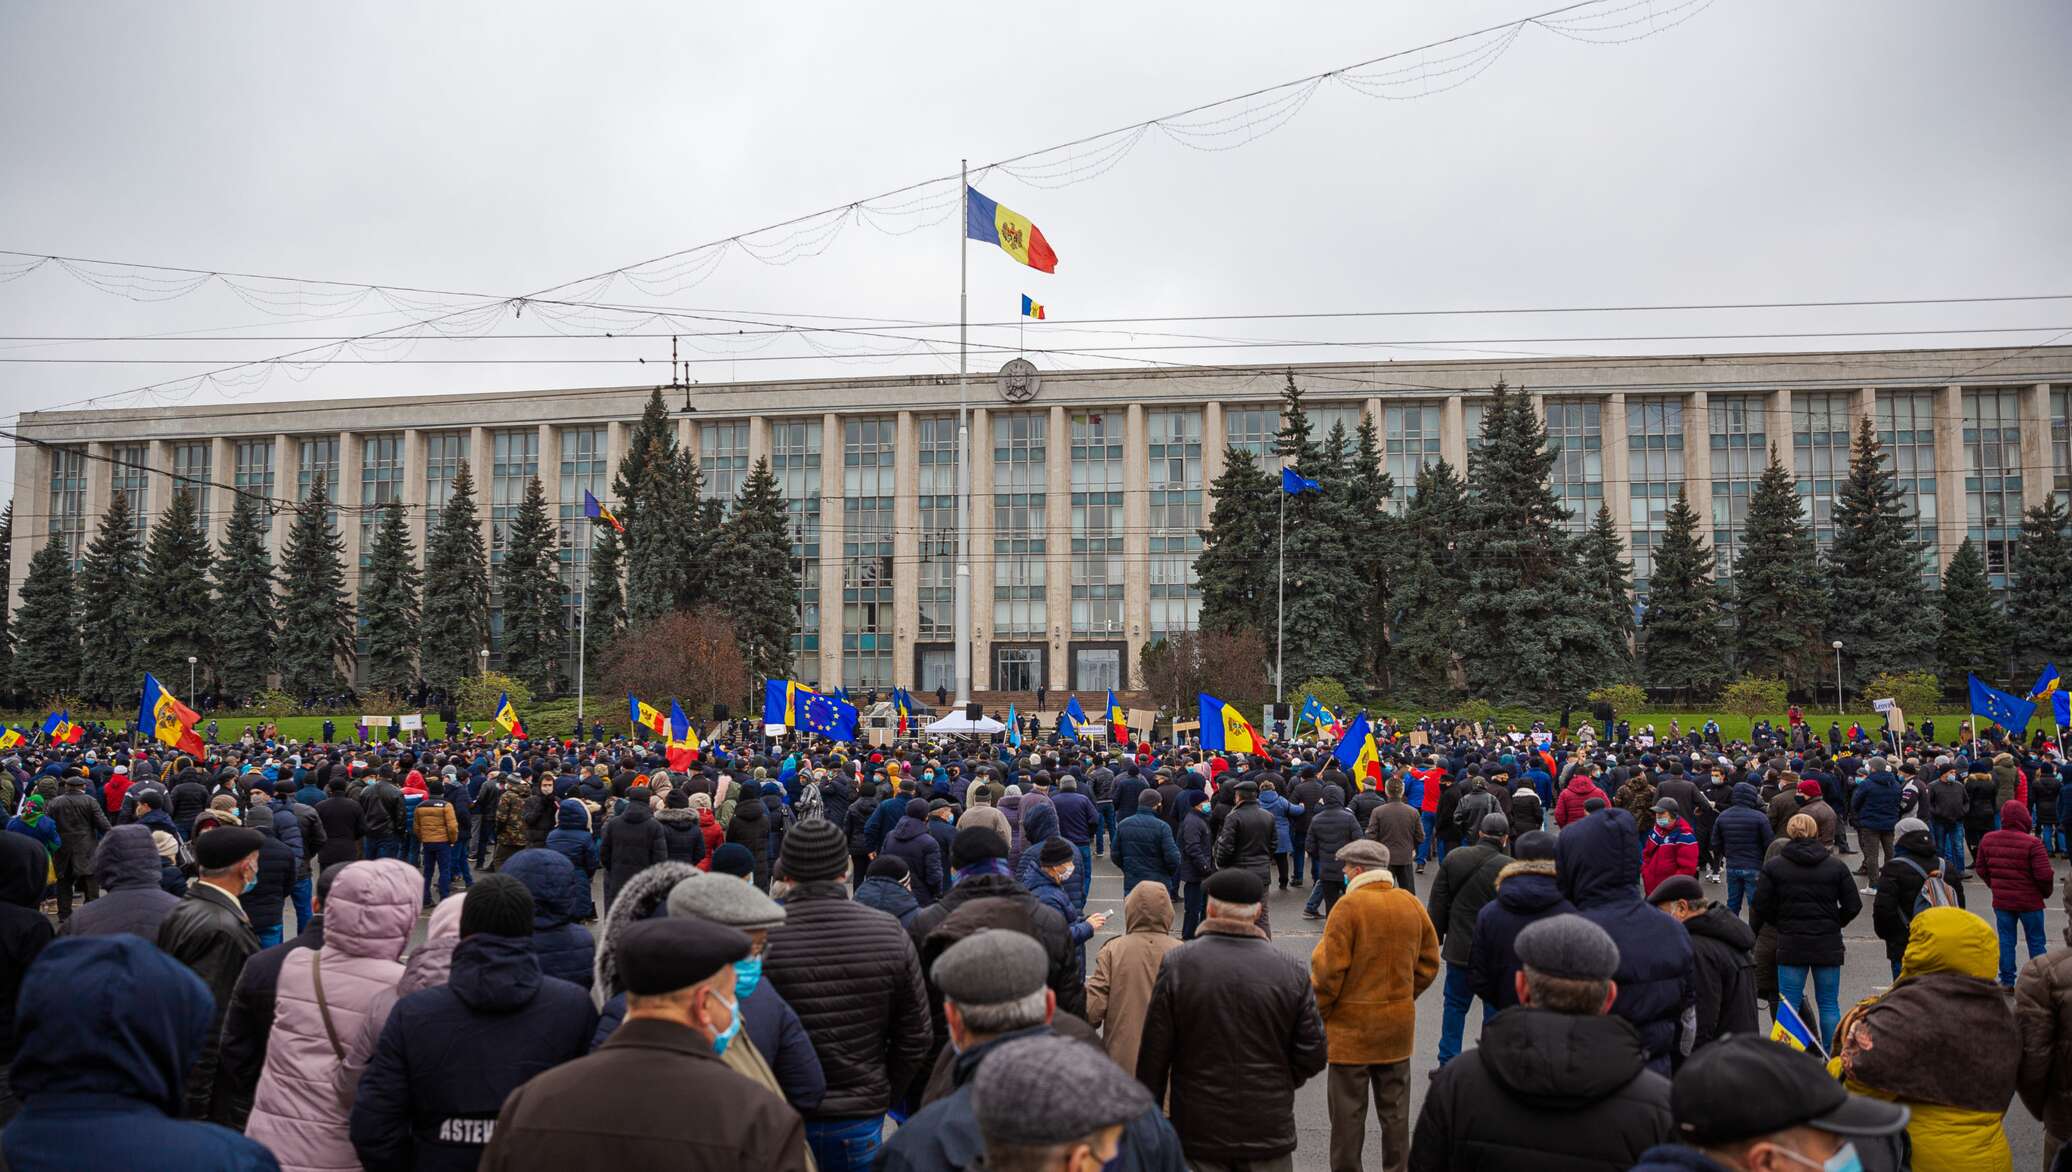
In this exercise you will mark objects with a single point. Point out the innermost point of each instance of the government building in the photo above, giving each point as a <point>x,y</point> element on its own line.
<point>1088,487</point>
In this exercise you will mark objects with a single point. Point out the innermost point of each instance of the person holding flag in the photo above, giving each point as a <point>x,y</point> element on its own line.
<point>1118,724</point>
<point>1074,716</point>
<point>163,718</point>
<point>9,737</point>
<point>781,701</point>
<point>2009,711</point>
<point>1225,729</point>
<point>1014,728</point>
<point>507,716</point>
<point>644,716</point>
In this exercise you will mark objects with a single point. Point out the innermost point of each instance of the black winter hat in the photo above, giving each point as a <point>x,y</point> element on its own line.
<point>976,844</point>
<point>499,905</point>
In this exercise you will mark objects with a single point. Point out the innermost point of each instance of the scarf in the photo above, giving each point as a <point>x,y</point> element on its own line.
<point>982,867</point>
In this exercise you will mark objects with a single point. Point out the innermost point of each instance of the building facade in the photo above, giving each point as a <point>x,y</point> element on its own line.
<point>1088,487</point>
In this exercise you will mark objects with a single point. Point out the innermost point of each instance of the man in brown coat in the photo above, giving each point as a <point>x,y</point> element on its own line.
<point>1378,953</point>
<point>1397,826</point>
<point>1125,972</point>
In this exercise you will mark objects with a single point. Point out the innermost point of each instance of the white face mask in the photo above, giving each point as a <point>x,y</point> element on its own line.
<point>1066,873</point>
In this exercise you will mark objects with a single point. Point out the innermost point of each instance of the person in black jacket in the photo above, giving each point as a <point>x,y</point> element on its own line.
<point>24,932</point>
<point>210,934</point>
<point>1197,853</point>
<point>419,1111</point>
<point>682,836</point>
<point>127,866</point>
<point>1526,892</point>
<point>382,802</point>
<point>1467,880</point>
<point>1247,838</point>
<point>1810,895</point>
<point>1914,861</point>
<point>190,796</point>
<point>1722,956</point>
<point>1330,828</point>
<point>633,841</point>
<point>345,824</point>
<point>751,828</point>
<point>1145,849</point>
<point>248,1022</point>
<point>266,903</point>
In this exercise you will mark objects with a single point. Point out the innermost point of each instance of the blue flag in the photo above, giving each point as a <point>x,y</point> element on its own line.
<point>2061,708</point>
<point>830,716</point>
<point>2005,709</point>
<point>2047,683</point>
<point>1014,728</point>
<point>1068,727</point>
<point>1790,1029</point>
<point>1295,483</point>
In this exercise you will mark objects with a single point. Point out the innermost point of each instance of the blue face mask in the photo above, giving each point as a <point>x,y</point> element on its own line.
<point>747,975</point>
<point>726,1036</point>
<point>251,883</point>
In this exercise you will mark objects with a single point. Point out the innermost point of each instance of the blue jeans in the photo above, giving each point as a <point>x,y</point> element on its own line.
<point>1949,843</point>
<point>1316,894</point>
<point>845,1145</point>
<point>300,894</point>
<point>384,848</point>
<point>1740,883</point>
<point>1454,1021</point>
<point>1082,875</point>
<point>1431,847</point>
<point>1827,994</point>
<point>438,856</point>
<point>2032,927</point>
<point>2053,838</point>
<point>1104,825</point>
<point>1196,903</point>
<point>268,937</point>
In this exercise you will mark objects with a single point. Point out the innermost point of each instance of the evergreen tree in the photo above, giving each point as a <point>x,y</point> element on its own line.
<point>1526,637</point>
<point>535,639</point>
<point>1682,636</point>
<point>456,596</point>
<point>1608,582</point>
<point>1974,636</point>
<point>111,582</point>
<point>604,597</point>
<point>389,594</point>
<point>1879,608</point>
<point>1234,570</point>
<point>316,616</point>
<point>1777,586</point>
<point>247,614</point>
<point>667,544</point>
<point>754,579</point>
<point>655,428</point>
<point>46,627</point>
<point>1370,537</point>
<point>1425,617</point>
<point>1323,634</point>
<point>2039,596</point>
<point>179,618</point>
<point>6,626</point>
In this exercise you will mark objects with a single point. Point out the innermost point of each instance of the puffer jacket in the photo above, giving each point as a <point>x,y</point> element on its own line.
<point>1914,858</point>
<point>571,839</point>
<point>750,827</point>
<point>266,903</point>
<point>301,1109</point>
<point>682,837</point>
<point>851,974</point>
<point>1467,881</point>
<point>1569,804</point>
<point>1723,952</point>
<point>2007,781</point>
<point>565,949</point>
<point>2013,863</point>
<point>1808,895</point>
<point>2043,1014</point>
<point>911,843</point>
<point>1598,867</point>
<point>1741,832</point>
<point>633,841</point>
<point>127,866</point>
<point>1876,801</point>
<point>1670,851</point>
<point>1284,813</point>
<point>888,896</point>
<point>1146,851</point>
<point>1525,892</point>
<point>1330,829</point>
<point>2043,792</point>
<point>1980,801</point>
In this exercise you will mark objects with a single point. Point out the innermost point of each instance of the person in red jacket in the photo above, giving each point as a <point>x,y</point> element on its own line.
<point>1433,780</point>
<point>1569,803</point>
<point>1671,847</point>
<point>2016,870</point>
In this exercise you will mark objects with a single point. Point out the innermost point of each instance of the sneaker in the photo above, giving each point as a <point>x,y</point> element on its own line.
<point>1310,915</point>
<point>1420,868</point>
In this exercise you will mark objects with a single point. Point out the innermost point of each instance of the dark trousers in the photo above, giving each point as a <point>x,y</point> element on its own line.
<point>1406,876</point>
<point>1195,901</point>
<point>86,884</point>
<point>1332,888</point>
<point>1346,1093</point>
<point>1301,840</point>
<point>1280,864</point>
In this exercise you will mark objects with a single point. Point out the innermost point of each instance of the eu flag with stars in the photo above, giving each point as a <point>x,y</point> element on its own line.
<point>2005,709</point>
<point>830,716</point>
<point>1295,483</point>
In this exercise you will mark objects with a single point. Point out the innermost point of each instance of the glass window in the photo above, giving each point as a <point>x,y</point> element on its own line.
<point>1906,430</point>
<point>869,465</point>
<point>1097,522</point>
<point>583,469</point>
<point>130,474</point>
<point>67,514</point>
<point>1017,669</point>
<point>1740,452</point>
<point>1175,485</point>
<point>1322,419</point>
<point>191,475</point>
<point>1254,429</point>
<point>1655,470</point>
<point>2060,444</point>
<point>1096,669</point>
<point>1823,425</point>
<point>443,453</point>
<point>936,593</point>
<point>1575,434</point>
<point>795,461</point>
<point>723,458</point>
<point>314,456</point>
<point>381,481</point>
<point>1993,476</point>
<point>514,461</point>
<point>1019,523</point>
<point>1409,441</point>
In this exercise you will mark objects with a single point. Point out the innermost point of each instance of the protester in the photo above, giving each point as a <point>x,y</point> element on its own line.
<point>1809,895</point>
<point>210,933</point>
<point>1053,1103</point>
<point>24,933</point>
<point>1247,841</point>
<point>1126,970</point>
<point>2043,1016</point>
<point>248,1022</point>
<point>1467,880</point>
<point>564,947</point>
<point>1398,827</point>
<point>1526,891</point>
<point>1670,848</point>
<point>1197,859</point>
<point>1330,828</point>
<point>126,866</point>
<point>1722,956</point>
<point>1145,848</point>
<point>80,822</point>
<point>1912,879</point>
<point>1597,864</point>
<point>1747,1104</point>
<point>886,888</point>
<point>2016,869</point>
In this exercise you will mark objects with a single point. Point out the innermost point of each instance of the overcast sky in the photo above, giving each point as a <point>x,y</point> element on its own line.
<point>1767,150</point>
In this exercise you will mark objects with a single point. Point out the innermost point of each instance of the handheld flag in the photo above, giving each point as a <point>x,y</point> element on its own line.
<point>2009,711</point>
<point>1295,483</point>
<point>1790,1029</point>
<point>1118,724</point>
<point>643,715</point>
<point>2047,683</point>
<point>830,716</point>
<point>507,716</point>
<point>1068,724</point>
<point>163,718</point>
<point>683,739</point>
<point>1032,309</point>
<point>780,701</point>
<point>1014,728</point>
<point>68,733</point>
<point>9,738</point>
<point>902,704</point>
<point>595,510</point>
<point>1314,710</point>
<point>1224,727</point>
<point>2061,708</point>
<point>1356,752</point>
<point>987,221</point>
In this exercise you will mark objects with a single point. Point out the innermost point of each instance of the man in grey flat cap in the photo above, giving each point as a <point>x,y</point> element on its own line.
<point>995,995</point>
<point>1556,1081</point>
<point>1053,1105</point>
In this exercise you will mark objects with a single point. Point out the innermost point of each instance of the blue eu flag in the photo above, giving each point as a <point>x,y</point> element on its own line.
<point>830,716</point>
<point>2009,711</point>
<point>1295,483</point>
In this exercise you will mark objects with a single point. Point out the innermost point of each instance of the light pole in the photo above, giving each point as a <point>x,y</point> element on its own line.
<point>1837,645</point>
<point>191,660</point>
<point>483,655</point>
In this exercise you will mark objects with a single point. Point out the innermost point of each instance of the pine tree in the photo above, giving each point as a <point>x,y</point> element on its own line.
<point>1322,634</point>
<point>178,619</point>
<point>655,428</point>
<point>316,616</point>
<point>1879,608</point>
<point>247,613</point>
<point>2039,596</point>
<point>112,583</point>
<point>1682,637</point>
<point>1974,637</point>
<point>754,579</point>
<point>1234,570</point>
<point>1424,617</point>
<point>535,639</point>
<point>1526,637</point>
<point>1371,533</point>
<point>1608,582</point>
<point>456,594</point>
<point>389,606</point>
<point>1777,586</point>
<point>46,627</point>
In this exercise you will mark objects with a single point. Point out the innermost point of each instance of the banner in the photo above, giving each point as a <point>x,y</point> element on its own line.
<point>381,722</point>
<point>412,721</point>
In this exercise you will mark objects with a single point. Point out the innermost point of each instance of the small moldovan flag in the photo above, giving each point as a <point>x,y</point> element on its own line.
<point>1357,753</point>
<point>507,716</point>
<point>1790,1029</point>
<point>1031,307</point>
<point>10,737</point>
<point>645,715</point>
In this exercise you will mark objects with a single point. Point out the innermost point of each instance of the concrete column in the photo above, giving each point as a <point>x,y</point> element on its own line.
<point>100,486</point>
<point>2037,471</point>
<point>759,442</point>
<point>906,549</point>
<point>1539,407</point>
<point>414,472</point>
<point>222,496</point>
<point>1951,521</point>
<point>31,523</point>
<point>1057,516</point>
<point>550,469</point>
<point>832,564</point>
<point>1618,475</point>
<point>614,451</point>
<point>347,493</point>
<point>1453,434</point>
<point>1136,540</point>
<point>479,463</point>
<point>287,453</point>
<point>980,519</point>
<point>1777,423</point>
<point>1213,442</point>
<point>687,433</point>
<point>1697,432</point>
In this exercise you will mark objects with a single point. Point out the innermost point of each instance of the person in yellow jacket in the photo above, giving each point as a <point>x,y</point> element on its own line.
<point>1942,1041</point>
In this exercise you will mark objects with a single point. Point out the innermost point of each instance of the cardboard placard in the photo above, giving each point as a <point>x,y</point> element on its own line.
<point>1143,719</point>
<point>368,721</point>
<point>411,721</point>
<point>881,737</point>
<point>1419,737</point>
<point>1885,705</point>
<point>1895,720</point>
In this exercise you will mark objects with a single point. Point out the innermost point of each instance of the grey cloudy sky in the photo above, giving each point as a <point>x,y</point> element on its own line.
<point>1767,150</point>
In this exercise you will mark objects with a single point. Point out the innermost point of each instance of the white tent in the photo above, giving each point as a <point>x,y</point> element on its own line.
<point>957,722</point>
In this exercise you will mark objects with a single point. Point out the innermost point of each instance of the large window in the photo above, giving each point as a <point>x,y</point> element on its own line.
<point>1174,438</point>
<point>67,512</point>
<point>1323,419</point>
<point>1018,524</point>
<point>1253,429</point>
<point>253,473</point>
<point>1823,425</point>
<point>1740,451</point>
<point>1993,476</point>
<point>514,461</point>
<point>1409,441</point>
<point>1097,522</point>
<point>1575,434</point>
<point>381,481</point>
<point>443,453</point>
<point>315,457</point>
<point>1474,413</point>
<point>723,458</point>
<point>191,475</point>
<point>1906,430</point>
<point>2061,443</point>
<point>795,461</point>
<point>130,474</point>
<point>870,453</point>
<point>582,470</point>
<point>1655,470</point>
<point>936,592</point>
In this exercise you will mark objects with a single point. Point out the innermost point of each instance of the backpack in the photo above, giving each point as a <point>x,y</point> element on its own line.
<point>1934,892</point>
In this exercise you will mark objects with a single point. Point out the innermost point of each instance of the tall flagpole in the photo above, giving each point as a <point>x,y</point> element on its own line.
<point>583,622</point>
<point>963,604</point>
<point>1280,606</point>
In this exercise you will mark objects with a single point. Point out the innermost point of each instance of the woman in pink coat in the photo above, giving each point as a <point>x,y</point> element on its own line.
<point>305,1089</point>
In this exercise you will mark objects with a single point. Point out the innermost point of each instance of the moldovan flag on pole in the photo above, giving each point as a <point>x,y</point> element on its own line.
<point>644,715</point>
<point>2046,683</point>
<point>165,719</point>
<point>10,737</point>
<point>1790,1029</point>
<point>595,510</point>
<point>1118,724</point>
<point>1017,237</point>
<point>1356,751</point>
<point>507,716</point>
<point>683,739</point>
<point>1224,727</point>
<point>1031,307</point>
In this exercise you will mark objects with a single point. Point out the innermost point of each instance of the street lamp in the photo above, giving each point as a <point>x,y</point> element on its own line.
<point>484,655</point>
<point>191,660</point>
<point>1837,645</point>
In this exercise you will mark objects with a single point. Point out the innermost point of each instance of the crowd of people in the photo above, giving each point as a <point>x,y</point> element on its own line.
<point>843,957</point>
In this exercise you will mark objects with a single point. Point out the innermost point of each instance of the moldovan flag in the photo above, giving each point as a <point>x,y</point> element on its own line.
<point>1118,724</point>
<point>683,739</point>
<point>644,715</point>
<point>1790,1029</point>
<point>164,718</point>
<point>10,737</point>
<point>507,716</point>
<point>990,222</point>
<point>1032,307</point>
<point>1356,752</point>
<point>1224,727</point>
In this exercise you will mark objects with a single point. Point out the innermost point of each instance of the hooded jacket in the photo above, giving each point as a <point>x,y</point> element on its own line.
<point>24,929</point>
<point>266,902</point>
<point>2013,863</point>
<point>633,841</point>
<point>1667,851</point>
<point>1914,858</point>
<point>682,835</point>
<point>1570,803</point>
<point>1722,952</point>
<point>113,1025</point>
<point>1126,970</point>
<point>911,843</point>
<point>126,865</point>
<point>1525,892</point>
<point>571,839</point>
<point>1808,895</point>
<point>1598,868</point>
<point>1330,829</point>
<point>750,827</point>
<point>2043,1014</point>
<point>1876,802</point>
<point>888,896</point>
<point>565,949</point>
<point>1742,832</point>
<point>1467,881</point>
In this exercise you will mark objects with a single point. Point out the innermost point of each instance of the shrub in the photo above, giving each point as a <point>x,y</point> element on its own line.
<point>273,702</point>
<point>1624,698</point>
<point>1753,696</point>
<point>1475,710</point>
<point>478,695</point>
<point>1329,692</point>
<point>1916,691</point>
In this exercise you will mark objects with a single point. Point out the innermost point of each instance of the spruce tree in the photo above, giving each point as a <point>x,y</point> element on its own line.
<point>1234,570</point>
<point>604,595</point>
<point>247,613</point>
<point>1682,637</point>
<point>389,593</point>
<point>1777,587</point>
<point>179,618</point>
<point>1608,586</point>
<point>535,639</point>
<point>1323,636</point>
<point>1974,636</point>
<point>667,542</point>
<point>46,627</point>
<point>1526,637</point>
<point>754,579</point>
<point>111,578</point>
<point>316,616</point>
<point>2039,595</point>
<point>1424,616</point>
<point>1878,607</point>
<point>456,591</point>
<point>654,429</point>
<point>1371,535</point>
